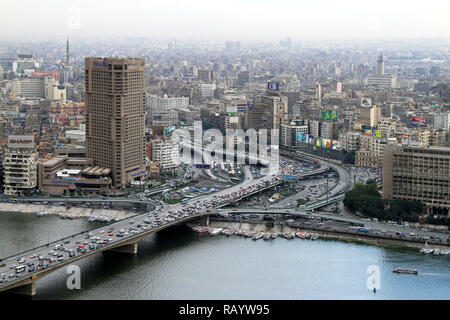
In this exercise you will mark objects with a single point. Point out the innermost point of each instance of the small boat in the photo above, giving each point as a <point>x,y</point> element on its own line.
<point>289,235</point>
<point>267,236</point>
<point>426,250</point>
<point>315,236</point>
<point>203,229</point>
<point>274,235</point>
<point>300,235</point>
<point>436,252</point>
<point>405,271</point>
<point>62,216</point>
<point>258,236</point>
<point>444,252</point>
<point>40,214</point>
<point>249,234</point>
<point>214,231</point>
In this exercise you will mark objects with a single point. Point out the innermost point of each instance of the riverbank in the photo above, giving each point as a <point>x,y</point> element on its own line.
<point>324,234</point>
<point>57,210</point>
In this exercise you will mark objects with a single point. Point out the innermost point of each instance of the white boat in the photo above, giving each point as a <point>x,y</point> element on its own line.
<point>436,252</point>
<point>214,231</point>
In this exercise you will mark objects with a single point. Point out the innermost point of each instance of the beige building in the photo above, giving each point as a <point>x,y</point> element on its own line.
<point>421,174</point>
<point>20,166</point>
<point>115,116</point>
<point>369,116</point>
<point>365,158</point>
<point>64,175</point>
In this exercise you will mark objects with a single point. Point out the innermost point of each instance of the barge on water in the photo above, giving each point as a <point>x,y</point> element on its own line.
<point>405,271</point>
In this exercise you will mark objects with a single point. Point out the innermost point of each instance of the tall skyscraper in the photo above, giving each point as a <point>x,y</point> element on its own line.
<point>115,116</point>
<point>380,65</point>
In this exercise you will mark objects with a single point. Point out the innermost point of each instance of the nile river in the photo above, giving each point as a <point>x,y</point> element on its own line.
<point>180,264</point>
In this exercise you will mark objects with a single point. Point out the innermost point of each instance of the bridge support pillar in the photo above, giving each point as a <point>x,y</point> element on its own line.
<point>25,290</point>
<point>128,248</point>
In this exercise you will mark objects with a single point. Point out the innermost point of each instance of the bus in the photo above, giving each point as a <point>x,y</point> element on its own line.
<point>20,269</point>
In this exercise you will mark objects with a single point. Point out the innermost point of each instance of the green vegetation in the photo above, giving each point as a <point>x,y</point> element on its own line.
<point>301,202</point>
<point>172,201</point>
<point>269,224</point>
<point>366,199</point>
<point>349,156</point>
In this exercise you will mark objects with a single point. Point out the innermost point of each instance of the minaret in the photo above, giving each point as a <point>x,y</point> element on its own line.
<point>67,52</point>
<point>380,65</point>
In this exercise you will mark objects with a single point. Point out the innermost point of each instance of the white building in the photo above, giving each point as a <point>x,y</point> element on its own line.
<point>20,166</point>
<point>207,90</point>
<point>29,87</point>
<point>381,79</point>
<point>155,102</point>
<point>165,154</point>
<point>442,120</point>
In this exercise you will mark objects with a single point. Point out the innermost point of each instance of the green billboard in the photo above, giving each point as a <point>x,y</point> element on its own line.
<point>330,115</point>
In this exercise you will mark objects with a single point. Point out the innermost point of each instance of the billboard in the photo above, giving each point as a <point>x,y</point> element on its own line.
<point>21,141</point>
<point>311,140</point>
<point>250,105</point>
<point>326,143</point>
<point>367,131</point>
<point>272,85</point>
<point>300,136</point>
<point>406,139</point>
<point>366,102</point>
<point>168,130</point>
<point>318,142</point>
<point>419,121</point>
<point>376,133</point>
<point>330,115</point>
<point>335,145</point>
<point>202,166</point>
<point>232,110</point>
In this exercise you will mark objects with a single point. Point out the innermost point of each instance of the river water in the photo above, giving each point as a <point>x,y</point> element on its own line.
<point>181,264</point>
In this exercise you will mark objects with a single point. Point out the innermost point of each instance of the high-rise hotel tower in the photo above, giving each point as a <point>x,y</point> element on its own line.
<point>115,116</point>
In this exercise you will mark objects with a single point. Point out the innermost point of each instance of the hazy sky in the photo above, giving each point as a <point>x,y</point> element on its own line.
<point>225,19</point>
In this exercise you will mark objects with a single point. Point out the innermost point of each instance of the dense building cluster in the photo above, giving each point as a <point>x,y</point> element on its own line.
<point>99,124</point>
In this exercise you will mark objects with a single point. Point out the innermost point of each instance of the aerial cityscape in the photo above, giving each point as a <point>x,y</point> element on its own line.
<point>181,158</point>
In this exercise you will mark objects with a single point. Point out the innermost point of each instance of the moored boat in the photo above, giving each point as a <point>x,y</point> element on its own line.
<point>289,235</point>
<point>258,236</point>
<point>300,235</point>
<point>315,236</point>
<point>274,235</point>
<point>267,236</point>
<point>405,271</point>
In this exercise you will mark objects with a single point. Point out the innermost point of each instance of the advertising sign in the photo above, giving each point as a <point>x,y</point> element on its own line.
<point>367,131</point>
<point>318,142</point>
<point>250,105</point>
<point>406,139</point>
<point>326,143</point>
<point>376,133</point>
<point>168,130</point>
<point>330,115</point>
<point>311,140</point>
<point>232,110</point>
<point>272,85</point>
<point>21,141</point>
<point>202,166</point>
<point>300,136</point>
<point>419,121</point>
<point>366,102</point>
